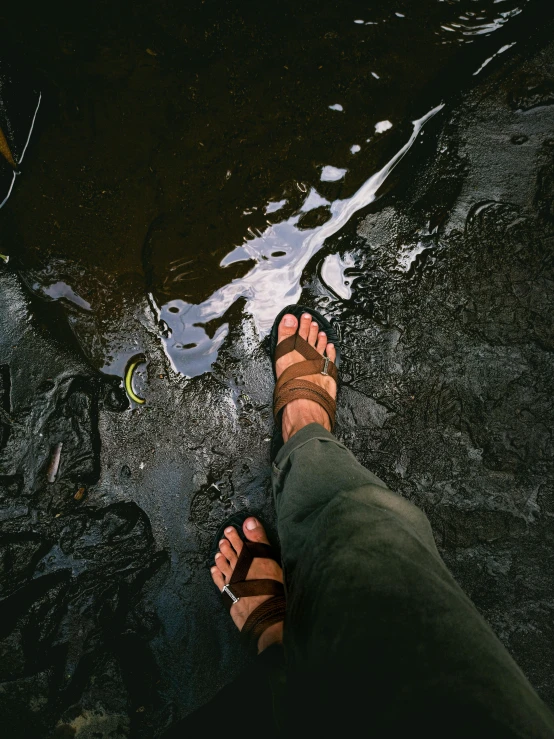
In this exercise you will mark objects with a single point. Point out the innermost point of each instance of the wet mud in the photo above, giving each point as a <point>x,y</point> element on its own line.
<point>440,281</point>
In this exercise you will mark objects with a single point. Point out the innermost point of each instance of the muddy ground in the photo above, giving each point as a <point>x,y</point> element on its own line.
<point>109,624</point>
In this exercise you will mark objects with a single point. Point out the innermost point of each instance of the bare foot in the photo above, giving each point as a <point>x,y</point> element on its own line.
<point>299,413</point>
<point>225,562</point>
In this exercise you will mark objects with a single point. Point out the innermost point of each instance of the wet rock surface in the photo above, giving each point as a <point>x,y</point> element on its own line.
<point>449,366</point>
<point>109,624</point>
<point>73,560</point>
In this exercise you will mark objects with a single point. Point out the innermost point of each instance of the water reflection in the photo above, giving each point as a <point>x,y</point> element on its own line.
<point>333,274</point>
<point>61,291</point>
<point>482,21</point>
<point>12,139</point>
<point>332,174</point>
<point>272,283</point>
<point>213,170</point>
<point>490,58</point>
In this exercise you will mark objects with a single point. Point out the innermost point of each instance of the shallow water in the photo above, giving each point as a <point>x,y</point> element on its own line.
<point>187,160</point>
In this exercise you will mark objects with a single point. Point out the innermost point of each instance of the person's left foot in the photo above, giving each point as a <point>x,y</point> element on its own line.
<point>260,569</point>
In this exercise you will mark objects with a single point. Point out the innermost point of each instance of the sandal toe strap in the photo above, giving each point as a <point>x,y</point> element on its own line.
<point>250,550</point>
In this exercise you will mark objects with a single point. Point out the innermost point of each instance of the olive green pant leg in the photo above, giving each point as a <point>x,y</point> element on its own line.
<point>377,633</point>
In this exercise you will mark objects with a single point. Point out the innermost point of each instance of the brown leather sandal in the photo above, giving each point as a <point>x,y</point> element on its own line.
<point>289,386</point>
<point>270,611</point>
<point>273,609</point>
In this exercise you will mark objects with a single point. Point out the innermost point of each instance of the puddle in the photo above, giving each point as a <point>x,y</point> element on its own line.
<point>275,280</point>
<point>59,291</point>
<point>247,160</point>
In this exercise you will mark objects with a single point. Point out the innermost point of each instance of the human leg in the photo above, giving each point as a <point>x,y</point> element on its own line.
<point>378,633</point>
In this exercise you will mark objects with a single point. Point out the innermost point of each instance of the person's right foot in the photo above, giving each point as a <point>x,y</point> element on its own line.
<point>301,412</point>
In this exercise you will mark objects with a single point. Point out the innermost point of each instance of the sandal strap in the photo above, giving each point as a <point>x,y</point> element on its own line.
<point>251,587</point>
<point>250,550</point>
<point>243,588</point>
<point>295,342</point>
<point>289,387</point>
<point>321,365</point>
<point>297,389</point>
<point>268,613</point>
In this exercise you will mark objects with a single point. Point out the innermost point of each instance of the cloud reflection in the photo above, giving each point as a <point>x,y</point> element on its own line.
<point>281,253</point>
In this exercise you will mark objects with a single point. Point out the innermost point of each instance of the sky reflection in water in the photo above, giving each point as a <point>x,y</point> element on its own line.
<point>283,250</point>
<point>262,130</point>
<point>273,282</point>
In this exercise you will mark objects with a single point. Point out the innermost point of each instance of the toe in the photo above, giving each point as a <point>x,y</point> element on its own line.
<point>228,552</point>
<point>331,352</point>
<point>312,336</point>
<point>321,342</point>
<point>234,539</point>
<point>218,578</point>
<point>254,531</point>
<point>305,323</point>
<point>223,565</point>
<point>287,327</point>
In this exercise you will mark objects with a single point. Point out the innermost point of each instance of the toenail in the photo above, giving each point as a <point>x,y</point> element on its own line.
<point>314,323</point>
<point>213,570</point>
<point>229,529</point>
<point>289,321</point>
<point>222,541</point>
<point>306,315</point>
<point>218,555</point>
<point>322,333</point>
<point>251,524</point>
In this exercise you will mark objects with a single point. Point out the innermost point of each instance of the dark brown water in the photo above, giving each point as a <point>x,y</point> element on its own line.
<point>190,159</point>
